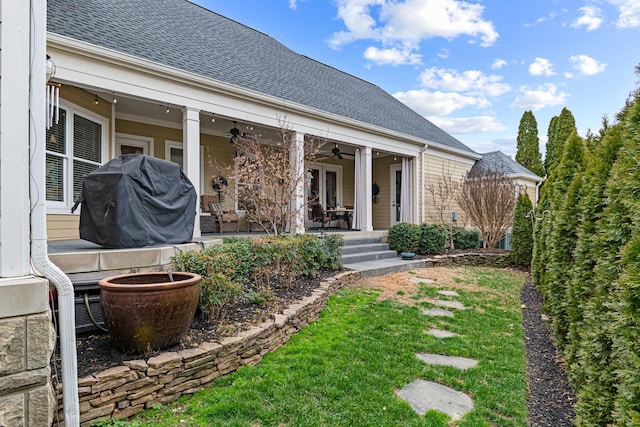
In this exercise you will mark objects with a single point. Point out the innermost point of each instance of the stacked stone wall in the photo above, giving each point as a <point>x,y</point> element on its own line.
<point>123,391</point>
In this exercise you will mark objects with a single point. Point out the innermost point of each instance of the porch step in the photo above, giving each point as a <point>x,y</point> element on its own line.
<point>368,256</point>
<point>384,266</point>
<point>370,247</point>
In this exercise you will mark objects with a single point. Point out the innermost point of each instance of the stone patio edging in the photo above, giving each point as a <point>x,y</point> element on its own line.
<point>123,391</point>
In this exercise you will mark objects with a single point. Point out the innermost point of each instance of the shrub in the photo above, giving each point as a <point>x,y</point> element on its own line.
<point>332,254</point>
<point>466,239</point>
<point>432,239</point>
<point>216,292</point>
<point>404,237</point>
<point>522,232</point>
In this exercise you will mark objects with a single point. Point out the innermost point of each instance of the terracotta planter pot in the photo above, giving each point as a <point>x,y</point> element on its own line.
<point>148,310</point>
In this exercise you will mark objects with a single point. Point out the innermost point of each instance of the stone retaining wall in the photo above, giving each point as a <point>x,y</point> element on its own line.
<point>123,391</point>
<point>475,259</point>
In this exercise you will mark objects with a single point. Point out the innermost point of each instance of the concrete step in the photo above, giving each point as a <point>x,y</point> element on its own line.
<point>368,256</point>
<point>364,240</point>
<point>384,266</point>
<point>369,247</point>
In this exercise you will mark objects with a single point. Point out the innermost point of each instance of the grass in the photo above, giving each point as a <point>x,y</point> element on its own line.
<point>344,369</point>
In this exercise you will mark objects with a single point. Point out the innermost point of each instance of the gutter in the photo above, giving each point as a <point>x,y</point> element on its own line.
<point>37,184</point>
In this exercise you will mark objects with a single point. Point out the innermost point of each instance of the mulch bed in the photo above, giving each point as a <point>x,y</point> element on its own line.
<point>550,400</point>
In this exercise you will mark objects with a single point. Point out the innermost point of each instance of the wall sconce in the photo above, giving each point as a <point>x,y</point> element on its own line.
<point>51,68</point>
<point>454,217</point>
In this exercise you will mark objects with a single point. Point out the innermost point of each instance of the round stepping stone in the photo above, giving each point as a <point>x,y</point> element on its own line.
<point>422,280</point>
<point>437,312</point>
<point>449,293</point>
<point>440,333</point>
<point>424,396</point>
<point>453,361</point>
<point>448,304</point>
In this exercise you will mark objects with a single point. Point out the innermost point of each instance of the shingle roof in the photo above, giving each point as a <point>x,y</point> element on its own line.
<point>497,161</point>
<point>183,35</point>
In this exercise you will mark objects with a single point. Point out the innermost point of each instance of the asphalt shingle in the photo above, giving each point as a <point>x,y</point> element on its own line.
<point>183,35</point>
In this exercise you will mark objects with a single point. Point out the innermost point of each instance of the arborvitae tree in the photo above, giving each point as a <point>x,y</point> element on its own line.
<point>560,128</point>
<point>528,154</point>
<point>598,166</point>
<point>558,136</point>
<point>562,239</point>
<point>522,232</point>
<point>610,306</point>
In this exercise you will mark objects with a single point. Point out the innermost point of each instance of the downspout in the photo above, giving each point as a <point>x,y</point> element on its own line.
<point>39,257</point>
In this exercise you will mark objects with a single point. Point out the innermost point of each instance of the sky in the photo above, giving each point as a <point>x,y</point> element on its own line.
<point>471,67</point>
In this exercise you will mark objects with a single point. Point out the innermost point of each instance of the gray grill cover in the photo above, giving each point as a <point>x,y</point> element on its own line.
<point>136,200</point>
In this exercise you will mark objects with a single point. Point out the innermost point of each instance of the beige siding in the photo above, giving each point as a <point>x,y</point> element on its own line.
<point>60,227</point>
<point>435,168</point>
<point>382,176</point>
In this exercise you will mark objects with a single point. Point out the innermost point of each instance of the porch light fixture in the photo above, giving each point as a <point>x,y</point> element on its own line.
<point>51,68</point>
<point>167,110</point>
<point>96,101</point>
<point>213,118</point>
<point>235,133</point>
<point>115,100</point>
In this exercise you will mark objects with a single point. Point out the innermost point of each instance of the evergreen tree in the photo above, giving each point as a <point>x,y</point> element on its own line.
<point>522,232</point>
<point>560,128</point>
<point>528,154</point>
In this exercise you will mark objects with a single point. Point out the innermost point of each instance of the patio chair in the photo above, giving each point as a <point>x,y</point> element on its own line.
<point>227,221</point>
<point>318,214</point>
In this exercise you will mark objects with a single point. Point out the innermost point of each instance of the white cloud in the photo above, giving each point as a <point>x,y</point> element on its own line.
<point>391,56</point>
<point>463,125</point>
<point>436,103</point>
<point>471,82</point>
<point>498,64</point>
<point>628,13</point>
<point>443,53</point>
<point>408,22</point>
<point>541,67</point>
<point>591,18</point>
<point>293,4</point>
<point>586,65</point>
<point>538,98</point>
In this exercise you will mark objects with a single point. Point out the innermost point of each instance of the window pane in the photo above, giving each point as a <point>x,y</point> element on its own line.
<point>80,169</point>
<point>55,178</point>
<point>331,188</point>
<point>87,139</point>
<point>56,135</point>
<point>175,156</point>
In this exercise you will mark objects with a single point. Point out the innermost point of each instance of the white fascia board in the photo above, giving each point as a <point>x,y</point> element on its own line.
<point>94,66</point>
<point>454,155</point>
<point>525,177</point>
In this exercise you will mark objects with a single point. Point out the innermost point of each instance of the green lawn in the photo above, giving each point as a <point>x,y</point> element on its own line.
<point>344,369</point>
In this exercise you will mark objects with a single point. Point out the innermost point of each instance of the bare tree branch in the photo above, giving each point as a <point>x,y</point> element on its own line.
<point>443,190</point>
<point>489,199</point>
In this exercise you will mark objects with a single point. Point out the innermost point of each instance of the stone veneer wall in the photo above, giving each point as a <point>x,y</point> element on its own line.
<point>26,343</point>
<point>123,391</point>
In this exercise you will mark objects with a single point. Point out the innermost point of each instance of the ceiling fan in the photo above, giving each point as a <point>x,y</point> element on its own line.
<point>339,154</point>
<point>235,133</point>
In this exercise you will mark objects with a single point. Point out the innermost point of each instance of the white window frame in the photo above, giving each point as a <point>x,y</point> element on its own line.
<point>324,168</point>
<point>168,145</point>
<point>64,207</point>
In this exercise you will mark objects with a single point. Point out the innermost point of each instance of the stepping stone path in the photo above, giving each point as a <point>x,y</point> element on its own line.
<point>453,361</point>
<point>422,280</point>
<point>437,312</point>
<point>425,396</point>
<point>440,333</point>
<point>447,304</point>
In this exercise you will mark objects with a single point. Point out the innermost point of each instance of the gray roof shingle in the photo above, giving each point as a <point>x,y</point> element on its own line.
<point>497,161</point>
<point>183,35</point>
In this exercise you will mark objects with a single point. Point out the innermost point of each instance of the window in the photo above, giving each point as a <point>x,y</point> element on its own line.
<point>75,146</point>
<point>174,152</point>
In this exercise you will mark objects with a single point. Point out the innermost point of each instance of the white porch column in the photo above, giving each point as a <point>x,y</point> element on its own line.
<point>367,181</point>
<point>296,159</point>
<point>415,183</point>
<point>191,155</point>
<point>14,129</point>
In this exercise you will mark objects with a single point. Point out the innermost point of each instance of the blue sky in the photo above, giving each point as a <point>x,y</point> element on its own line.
<point>471,67</point>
